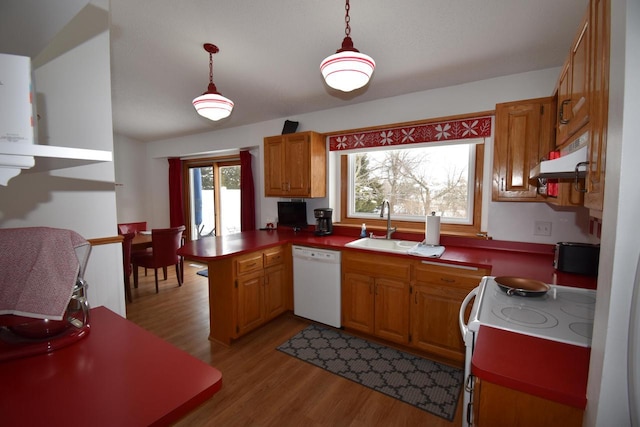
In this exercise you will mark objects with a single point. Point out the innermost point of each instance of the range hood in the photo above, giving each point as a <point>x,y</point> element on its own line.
<point>572,163</point>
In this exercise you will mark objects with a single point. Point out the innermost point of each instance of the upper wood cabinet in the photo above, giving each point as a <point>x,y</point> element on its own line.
<point>295,165</point>
<point>573,86</point>
<point>524,135</point>
<point>599,11</point>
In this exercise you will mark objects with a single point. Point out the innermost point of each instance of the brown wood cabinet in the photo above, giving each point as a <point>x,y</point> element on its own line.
<point>248,291</point>
<point>436,296</point>
<point>599,11</point>
<point>375,295</point>
<point>497,406</point>
<point>573,87</point>
<point>524,135</point>
<point>409,302</point>
<point>295,165</point>
<point>568,194</point>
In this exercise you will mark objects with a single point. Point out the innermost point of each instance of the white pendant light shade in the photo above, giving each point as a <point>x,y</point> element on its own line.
<point>347,70</point>
<point>213,106</point>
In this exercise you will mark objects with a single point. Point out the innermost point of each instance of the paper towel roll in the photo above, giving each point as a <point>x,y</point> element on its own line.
<point>432,230</point>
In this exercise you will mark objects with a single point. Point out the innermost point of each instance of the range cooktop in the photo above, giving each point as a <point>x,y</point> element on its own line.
<point>563,314</point>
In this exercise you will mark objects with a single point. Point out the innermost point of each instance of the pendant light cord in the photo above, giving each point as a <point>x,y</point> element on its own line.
<point>210,68</point>
<point>347,19</point>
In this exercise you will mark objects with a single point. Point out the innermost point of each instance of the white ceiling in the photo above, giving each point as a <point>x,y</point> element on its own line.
<point>270,51</point>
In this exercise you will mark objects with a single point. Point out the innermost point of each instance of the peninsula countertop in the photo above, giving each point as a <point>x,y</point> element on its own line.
<point>531,260</point>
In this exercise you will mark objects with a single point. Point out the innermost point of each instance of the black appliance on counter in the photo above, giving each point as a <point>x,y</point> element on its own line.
<point>292,214</point>
<point>577,258</point>
<point>324,226</point>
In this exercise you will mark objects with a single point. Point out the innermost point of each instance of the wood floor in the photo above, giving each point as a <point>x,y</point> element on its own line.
<point>261,386</point>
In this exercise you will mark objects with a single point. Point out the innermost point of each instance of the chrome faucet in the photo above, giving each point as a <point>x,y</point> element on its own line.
<point>390,230</point>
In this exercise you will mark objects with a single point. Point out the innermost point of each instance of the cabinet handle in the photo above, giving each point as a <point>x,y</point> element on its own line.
<point>445,280</point>
<point>576,182</point>
<point>501,184</point>
<point>561,113</point>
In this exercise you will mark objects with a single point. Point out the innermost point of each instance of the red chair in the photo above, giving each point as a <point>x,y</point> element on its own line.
<point>163,253</point>
<point>132,227</point>
<point>126,263</point>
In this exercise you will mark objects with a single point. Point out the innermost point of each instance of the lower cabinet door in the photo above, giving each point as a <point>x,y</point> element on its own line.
<point>274,292</point>
<point>434,320</point>
<point>250,302</point>
<point>357,302</point>
<point>392,310</point>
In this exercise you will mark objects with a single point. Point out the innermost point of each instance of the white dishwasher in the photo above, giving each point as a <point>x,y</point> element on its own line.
<point>316,285</point>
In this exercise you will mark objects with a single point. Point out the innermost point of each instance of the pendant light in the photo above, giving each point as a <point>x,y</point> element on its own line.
<point>211,104</point>
<point>347,69</point>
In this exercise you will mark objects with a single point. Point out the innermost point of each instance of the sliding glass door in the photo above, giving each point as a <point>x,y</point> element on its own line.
<point>212,192</point>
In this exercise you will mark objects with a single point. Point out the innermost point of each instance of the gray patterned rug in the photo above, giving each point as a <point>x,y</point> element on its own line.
<point>420,382</point>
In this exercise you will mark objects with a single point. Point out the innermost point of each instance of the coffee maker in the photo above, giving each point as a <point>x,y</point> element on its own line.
<point>324,226</point>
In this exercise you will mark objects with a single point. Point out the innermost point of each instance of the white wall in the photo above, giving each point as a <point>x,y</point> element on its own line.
<point>506,221</point>
<point>129,157</point>
<point>79,198</point>
<point>607,394</point>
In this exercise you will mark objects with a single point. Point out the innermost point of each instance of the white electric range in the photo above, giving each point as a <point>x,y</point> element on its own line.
<point>564,314</point>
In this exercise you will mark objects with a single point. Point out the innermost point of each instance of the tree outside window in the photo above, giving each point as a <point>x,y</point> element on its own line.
<point>416,181</point>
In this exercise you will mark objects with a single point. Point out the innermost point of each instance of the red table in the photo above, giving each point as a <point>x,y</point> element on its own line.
<point>119,375</point>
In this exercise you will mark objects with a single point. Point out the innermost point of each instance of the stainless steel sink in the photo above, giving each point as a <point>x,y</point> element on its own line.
<point>383,245</point>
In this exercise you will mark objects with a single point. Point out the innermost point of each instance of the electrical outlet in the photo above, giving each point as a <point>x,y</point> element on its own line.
<point>542,228</point>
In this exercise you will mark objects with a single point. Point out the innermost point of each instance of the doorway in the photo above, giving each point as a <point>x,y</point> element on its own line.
<point>212,195</point>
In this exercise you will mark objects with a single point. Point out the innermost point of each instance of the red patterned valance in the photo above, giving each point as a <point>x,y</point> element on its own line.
<point>476,127</point>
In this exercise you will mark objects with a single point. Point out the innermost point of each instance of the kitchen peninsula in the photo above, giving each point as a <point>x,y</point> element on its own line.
<point>260,259</point>
<point>257,255</point>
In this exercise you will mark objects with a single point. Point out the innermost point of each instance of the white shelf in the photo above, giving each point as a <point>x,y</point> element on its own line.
<point>46,157</point>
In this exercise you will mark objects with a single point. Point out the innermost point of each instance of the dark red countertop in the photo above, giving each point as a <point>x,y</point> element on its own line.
<point>548,369</point>
<point>118,375</point>
<point>544,368</point>
<point>530,260</point>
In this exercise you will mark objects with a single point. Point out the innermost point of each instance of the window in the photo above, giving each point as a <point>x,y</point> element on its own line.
<point>211,184</point>
<point>417,180</point>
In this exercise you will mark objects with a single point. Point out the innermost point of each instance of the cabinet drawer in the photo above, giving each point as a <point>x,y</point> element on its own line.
<point>249,263</point>
<point>456,276</point>
<point>273,256</point>
<point>377,265</point>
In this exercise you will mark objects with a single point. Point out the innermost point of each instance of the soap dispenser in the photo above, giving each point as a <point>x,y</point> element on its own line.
<point>363,231</point>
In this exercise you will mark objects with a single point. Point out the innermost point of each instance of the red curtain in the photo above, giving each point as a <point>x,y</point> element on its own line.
<point>176,205</point>
<point>247,194</point>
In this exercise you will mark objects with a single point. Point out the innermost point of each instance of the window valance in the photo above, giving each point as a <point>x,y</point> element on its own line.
<point>469,128</point>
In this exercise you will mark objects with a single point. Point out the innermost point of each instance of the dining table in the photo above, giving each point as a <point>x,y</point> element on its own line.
<point>141,241</point>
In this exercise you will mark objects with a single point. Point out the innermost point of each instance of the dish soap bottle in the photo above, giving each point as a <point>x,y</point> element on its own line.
<point>363,231</point>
